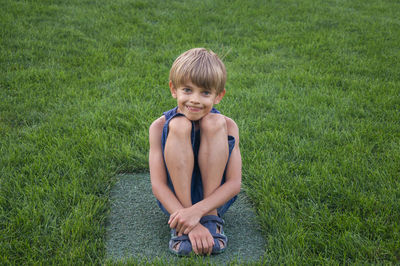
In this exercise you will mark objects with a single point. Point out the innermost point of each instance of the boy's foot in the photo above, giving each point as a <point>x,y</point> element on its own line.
<point>214,225</point>
<point>179,245</point>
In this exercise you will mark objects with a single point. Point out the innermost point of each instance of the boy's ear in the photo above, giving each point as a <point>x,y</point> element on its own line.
<point>219,96</point>
<point>172,89</point>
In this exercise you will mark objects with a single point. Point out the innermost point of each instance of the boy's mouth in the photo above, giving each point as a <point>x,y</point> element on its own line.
<point>193,109</point>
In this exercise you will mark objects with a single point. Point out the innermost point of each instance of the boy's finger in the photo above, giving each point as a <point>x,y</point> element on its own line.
<point>182,230</point>
<point>173,224</point>
<point>205,247</point>
<point>187,230</point>
<point>194,246</point>
<point>180,233</point>
<point>211,245</point>
<point>178,229</point>
<point>199,247</point>
<point>195,250</point>
<point>171,217</point>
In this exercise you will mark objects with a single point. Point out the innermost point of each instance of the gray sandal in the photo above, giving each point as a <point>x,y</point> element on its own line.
<point>185,246</point>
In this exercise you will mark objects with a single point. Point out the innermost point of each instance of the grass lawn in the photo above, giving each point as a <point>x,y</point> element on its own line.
<point>313,85</point>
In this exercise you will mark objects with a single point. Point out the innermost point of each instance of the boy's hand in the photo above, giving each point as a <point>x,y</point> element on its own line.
<point>201,240</point>
<point>184,220</point>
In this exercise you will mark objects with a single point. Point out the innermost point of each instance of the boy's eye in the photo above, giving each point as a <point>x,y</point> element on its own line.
<point>207,93</point>
<point>187,90</point>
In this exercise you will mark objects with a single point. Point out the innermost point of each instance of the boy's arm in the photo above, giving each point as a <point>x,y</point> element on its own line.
<point>221,195</point>
<point>158,175</point>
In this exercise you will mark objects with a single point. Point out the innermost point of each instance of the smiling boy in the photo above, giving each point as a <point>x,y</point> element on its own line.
<point>195,162</point>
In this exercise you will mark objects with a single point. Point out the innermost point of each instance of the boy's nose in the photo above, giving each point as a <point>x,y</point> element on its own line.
<point>194,98</point>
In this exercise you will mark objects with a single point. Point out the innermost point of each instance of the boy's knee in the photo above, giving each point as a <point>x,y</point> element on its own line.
<point>213,123</point>
<point>180,126</point>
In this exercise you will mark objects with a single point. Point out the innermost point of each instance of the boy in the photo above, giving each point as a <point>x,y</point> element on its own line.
<point>195,162</point>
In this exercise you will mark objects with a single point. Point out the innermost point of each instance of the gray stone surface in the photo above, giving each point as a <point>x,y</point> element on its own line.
<point>137,228</point>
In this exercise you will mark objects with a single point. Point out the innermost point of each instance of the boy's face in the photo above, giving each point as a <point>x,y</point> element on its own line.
<point>195,102</point>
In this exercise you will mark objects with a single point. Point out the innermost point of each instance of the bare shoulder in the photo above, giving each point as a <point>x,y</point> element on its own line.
<point>155,131</point>
<point>231,124</point>
<point>233,129</point>
<point>157,125</point>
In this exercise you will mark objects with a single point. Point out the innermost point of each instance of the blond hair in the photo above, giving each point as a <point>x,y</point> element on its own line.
<point>200,66</point>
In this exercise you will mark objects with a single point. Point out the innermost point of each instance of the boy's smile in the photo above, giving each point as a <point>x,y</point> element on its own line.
<point>193,101</point>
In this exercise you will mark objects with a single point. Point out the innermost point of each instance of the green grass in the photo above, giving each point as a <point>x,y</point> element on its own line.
<point>313,86</point>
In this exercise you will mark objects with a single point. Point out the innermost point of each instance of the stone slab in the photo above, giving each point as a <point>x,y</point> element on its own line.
<point>136,227</point>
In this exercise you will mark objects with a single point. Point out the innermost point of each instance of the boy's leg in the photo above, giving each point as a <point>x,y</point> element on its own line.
<point>179,158</point>
<point>213,153</point>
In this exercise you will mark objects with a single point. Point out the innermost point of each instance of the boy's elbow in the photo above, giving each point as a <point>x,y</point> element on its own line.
<point>156,189</point>
<point>236,186</point>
